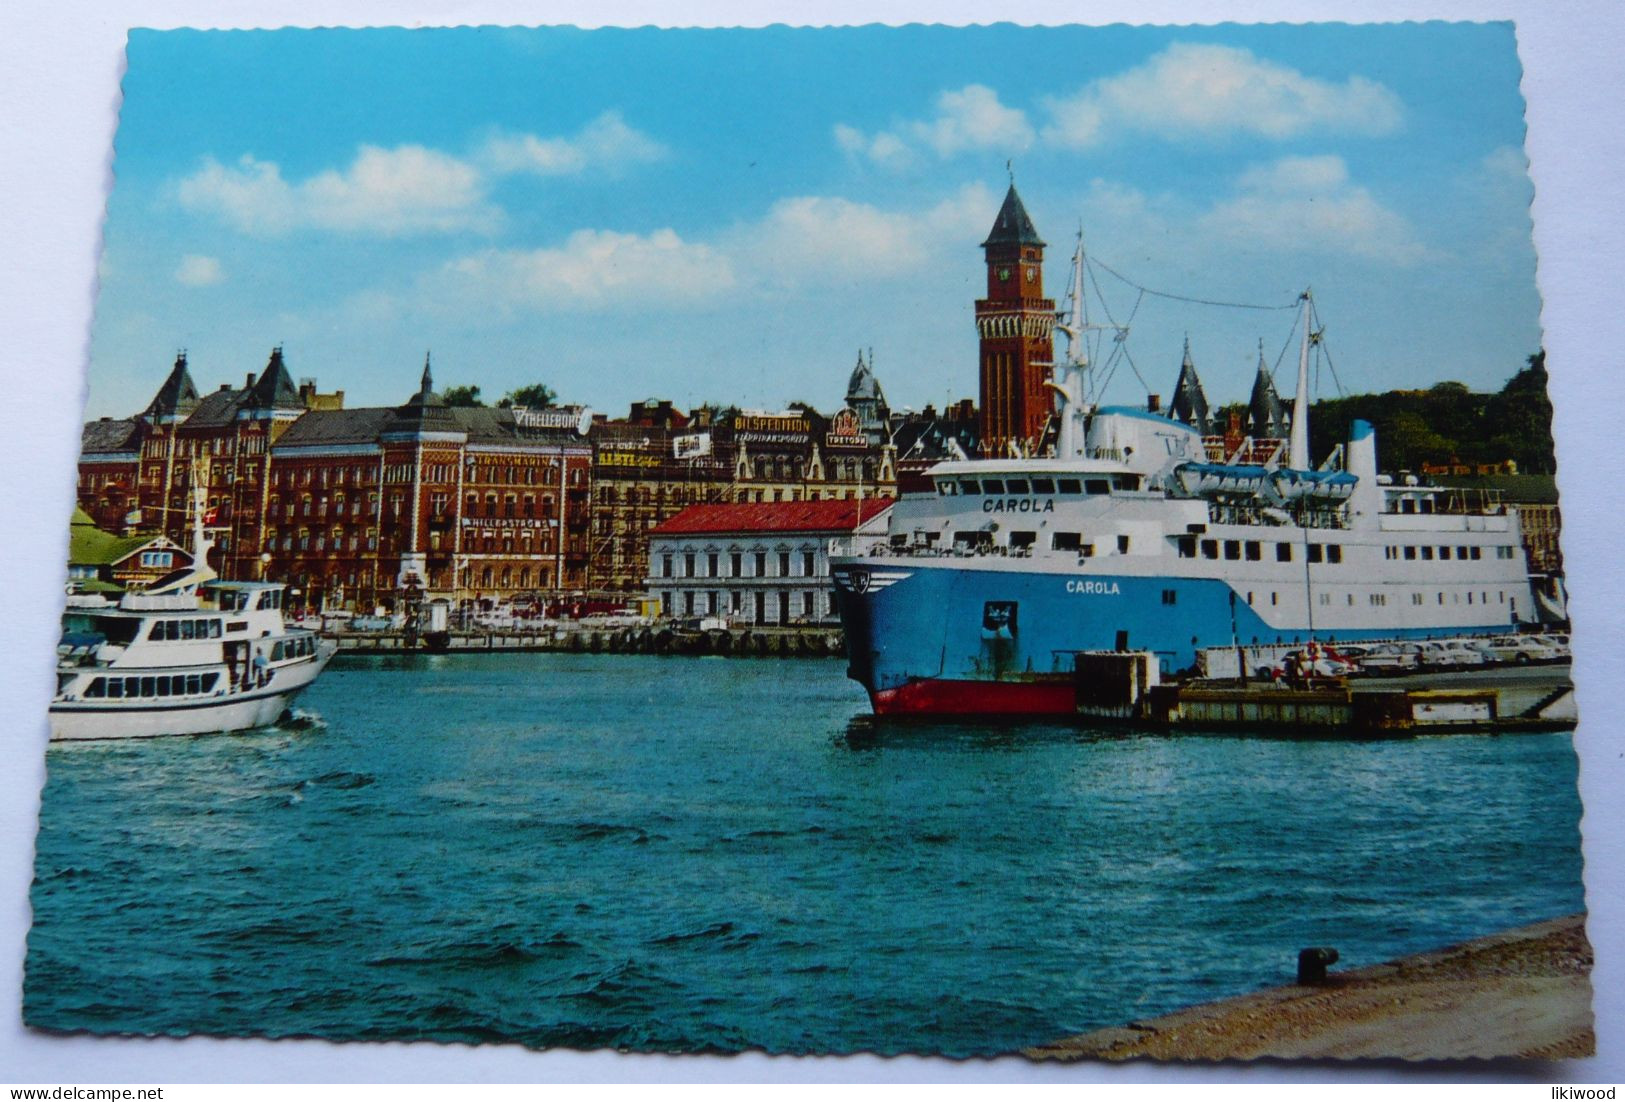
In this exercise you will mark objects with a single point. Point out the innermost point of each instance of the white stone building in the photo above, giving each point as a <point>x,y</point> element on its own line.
<point>762,563</point>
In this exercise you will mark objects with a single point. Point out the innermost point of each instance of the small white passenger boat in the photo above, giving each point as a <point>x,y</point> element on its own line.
<point>184,658</point>
<point>190,655</point>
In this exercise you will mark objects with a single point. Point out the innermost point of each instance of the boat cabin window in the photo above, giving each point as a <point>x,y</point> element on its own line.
<point>1283,552</point>
<point>947,487</point>
<point>1232,550</point>
<point>116,629</point>
<point>123,688</point>
<point>1069,486</point>
<point>1015,486</point>
<point>1334,552</point>
<point>973,539</point>
<point>233,600</point>
<point>968,486</point>
<point>1210,549</point>
<point>1097,486</point>
<point>993,485</point>
<point>1187,546</point>
<point>1255,551</point>
<point>1316,552</point>
<point>184,630</point>
<point>1066,541</point>
<point>1023,539</point>
<point>1043,485</point>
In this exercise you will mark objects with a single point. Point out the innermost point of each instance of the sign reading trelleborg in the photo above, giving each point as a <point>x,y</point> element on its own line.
<point>575,418</point>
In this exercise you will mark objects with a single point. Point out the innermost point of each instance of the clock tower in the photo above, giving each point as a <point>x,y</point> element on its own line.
<point>1016,323</point>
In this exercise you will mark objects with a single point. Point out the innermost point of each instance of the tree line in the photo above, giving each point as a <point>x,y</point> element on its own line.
<point>531,396</point>
<point>1449,422</point>
<point>1444,423</point>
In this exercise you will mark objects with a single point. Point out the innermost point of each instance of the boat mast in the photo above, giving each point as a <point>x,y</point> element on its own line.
<point>1298,448</point>
<point>1070,384</point>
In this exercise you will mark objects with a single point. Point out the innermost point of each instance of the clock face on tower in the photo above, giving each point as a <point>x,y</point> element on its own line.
<point>1032,273</point>
<point>1004,273</point>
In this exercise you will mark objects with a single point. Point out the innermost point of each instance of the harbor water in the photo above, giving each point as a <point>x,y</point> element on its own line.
<point>721,854</point>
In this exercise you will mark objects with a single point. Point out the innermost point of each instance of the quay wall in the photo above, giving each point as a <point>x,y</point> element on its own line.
<point>757,642</point>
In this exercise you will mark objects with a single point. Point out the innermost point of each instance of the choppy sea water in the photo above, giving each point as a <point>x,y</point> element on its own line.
<point>713,854</point>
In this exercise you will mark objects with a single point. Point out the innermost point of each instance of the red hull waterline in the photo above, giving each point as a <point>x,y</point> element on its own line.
<point>976,698</point>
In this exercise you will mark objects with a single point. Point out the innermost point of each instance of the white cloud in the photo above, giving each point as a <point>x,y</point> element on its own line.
<point>1203,90</point>
<point>800,241</point>
<point>389,192</point>
<point>813,238</point>
<point>199,271</point>
<point>605,143</point>
<point>968,119</point>
<point>593,269</point>
<point>1310,203</point>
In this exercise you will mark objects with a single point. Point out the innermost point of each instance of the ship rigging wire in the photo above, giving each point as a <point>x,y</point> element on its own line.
<point>1107,371</point>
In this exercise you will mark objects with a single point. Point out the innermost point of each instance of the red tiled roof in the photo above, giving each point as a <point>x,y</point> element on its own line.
<point>772,516</point>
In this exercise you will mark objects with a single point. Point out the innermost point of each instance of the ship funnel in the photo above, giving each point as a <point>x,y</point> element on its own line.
<point>1360,460</point>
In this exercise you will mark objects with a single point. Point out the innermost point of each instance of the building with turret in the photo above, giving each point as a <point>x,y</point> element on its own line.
<point>1190,403</point>
<point>1016,324</point>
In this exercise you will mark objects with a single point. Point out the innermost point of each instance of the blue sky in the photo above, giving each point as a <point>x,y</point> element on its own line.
<point>731,215</point>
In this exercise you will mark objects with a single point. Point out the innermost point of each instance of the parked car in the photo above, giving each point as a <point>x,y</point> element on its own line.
<point>1521,649</point>
<point>1449,654</point>
<point>1395,658</point>
<point>1558,641</point>
<point>1312,661</point>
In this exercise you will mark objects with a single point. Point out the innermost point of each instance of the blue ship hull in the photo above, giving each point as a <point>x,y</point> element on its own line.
<point>959,640</point>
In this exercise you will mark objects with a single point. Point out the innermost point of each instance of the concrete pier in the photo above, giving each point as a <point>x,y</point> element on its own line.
<point>1524,993</point>
<point>754,642</point>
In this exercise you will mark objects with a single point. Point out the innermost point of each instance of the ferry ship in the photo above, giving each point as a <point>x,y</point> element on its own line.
<point>190,655</point>
<point>1130,536</point>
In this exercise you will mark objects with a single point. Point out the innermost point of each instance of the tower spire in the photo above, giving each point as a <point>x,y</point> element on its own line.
<point>427,385</point>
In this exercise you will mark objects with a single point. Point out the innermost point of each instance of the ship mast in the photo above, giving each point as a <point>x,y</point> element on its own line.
<point>1071,374</point>
<point>1298,447</point>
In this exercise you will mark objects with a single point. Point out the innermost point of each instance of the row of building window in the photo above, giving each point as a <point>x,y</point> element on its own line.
<point>736,561</point>
<point>736,602</point>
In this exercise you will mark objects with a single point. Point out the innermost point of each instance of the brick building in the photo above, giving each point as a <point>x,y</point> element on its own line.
<point>1016,324</point>
<point>349,506</point>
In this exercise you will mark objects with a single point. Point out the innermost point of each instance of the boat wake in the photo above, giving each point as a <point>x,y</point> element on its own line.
<point>299,719</point>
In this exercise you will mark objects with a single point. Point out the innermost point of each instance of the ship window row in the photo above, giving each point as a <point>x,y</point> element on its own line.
<point>183,630</point>
<point>1428,552</point>
<point>1380,600</point>
<point>297,647</point>
<point>1253,550</point>
<point>948,487</point>
<point>176,684</point>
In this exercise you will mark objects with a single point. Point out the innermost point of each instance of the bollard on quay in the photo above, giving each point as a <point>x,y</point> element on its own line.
<point>1312,965</point>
